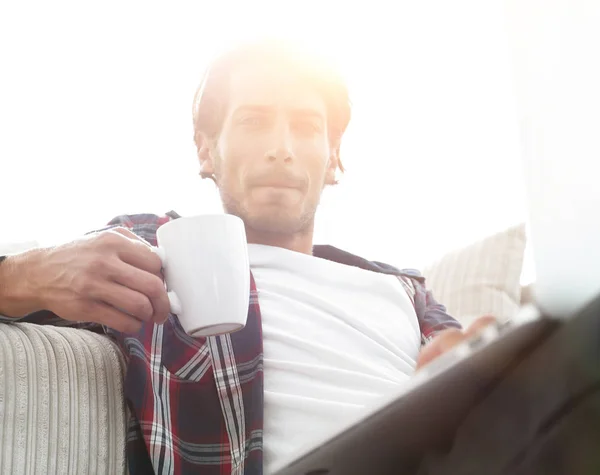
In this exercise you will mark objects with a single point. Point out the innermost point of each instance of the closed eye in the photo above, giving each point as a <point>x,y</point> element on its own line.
<point>307,126</point>
<point>253,120</point>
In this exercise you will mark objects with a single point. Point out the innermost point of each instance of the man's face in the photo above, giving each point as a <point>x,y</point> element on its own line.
<point>273,155</point>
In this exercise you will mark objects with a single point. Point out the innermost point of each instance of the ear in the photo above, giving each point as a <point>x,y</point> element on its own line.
<point>332,166</point>
<point>205,156</point>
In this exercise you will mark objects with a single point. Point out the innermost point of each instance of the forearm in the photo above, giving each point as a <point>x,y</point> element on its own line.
<point>18,296</point>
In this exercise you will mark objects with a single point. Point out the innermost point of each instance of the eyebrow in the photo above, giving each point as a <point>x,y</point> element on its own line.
<point>297,112</point>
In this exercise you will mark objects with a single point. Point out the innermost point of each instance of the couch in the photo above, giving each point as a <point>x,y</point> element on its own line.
<point>61,389</point>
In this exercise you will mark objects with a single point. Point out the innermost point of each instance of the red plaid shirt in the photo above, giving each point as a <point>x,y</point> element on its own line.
<point>197,403</point>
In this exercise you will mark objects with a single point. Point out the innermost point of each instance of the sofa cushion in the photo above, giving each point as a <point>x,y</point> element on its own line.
<point>482,278</point>
<point>62,407</point>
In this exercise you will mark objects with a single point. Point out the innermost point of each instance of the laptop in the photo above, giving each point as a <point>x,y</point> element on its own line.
<point>559,107</point>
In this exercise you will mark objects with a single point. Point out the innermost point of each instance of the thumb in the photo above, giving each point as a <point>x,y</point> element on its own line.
<point>445,341</point>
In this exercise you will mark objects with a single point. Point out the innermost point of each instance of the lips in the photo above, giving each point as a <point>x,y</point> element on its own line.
<point>279,182</point>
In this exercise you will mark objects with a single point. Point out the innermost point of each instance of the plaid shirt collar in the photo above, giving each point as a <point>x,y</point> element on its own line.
<point>196,404</point>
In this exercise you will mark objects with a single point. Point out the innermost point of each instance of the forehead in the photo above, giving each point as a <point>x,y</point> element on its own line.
<point>272,86</point>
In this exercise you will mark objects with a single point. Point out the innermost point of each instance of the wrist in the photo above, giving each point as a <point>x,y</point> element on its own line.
<point>18,294</point>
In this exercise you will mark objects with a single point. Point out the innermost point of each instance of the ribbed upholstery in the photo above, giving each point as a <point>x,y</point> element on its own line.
<point>61,402</point>
<point>482,278</point>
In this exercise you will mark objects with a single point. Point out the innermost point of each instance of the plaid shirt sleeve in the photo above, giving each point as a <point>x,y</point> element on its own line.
<point>432,315</point>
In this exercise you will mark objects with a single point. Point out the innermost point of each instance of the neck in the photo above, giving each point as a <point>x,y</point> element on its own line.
<point>299,242</point>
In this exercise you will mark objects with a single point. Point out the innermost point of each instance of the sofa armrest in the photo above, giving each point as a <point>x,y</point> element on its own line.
<point>62,406</point>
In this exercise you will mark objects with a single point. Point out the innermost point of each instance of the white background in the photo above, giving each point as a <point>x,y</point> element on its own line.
<point>95,116</point>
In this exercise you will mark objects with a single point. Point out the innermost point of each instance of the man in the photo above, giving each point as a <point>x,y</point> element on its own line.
<point>331,331</point>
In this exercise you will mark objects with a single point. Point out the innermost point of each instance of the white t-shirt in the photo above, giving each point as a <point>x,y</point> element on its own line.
<point>336,338</point>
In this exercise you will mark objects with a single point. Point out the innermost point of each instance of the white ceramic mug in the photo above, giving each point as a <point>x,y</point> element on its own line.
<point>206,269</point>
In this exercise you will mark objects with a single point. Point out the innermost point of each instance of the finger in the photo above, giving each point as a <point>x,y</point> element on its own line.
<point>125,299</point>
<point>135,251</point>
<point>100,312</point>
<point>480,324</point>
<point>128,233</point>
<point>440,345</point>
<point>147,284</point>
<point>142,257</point>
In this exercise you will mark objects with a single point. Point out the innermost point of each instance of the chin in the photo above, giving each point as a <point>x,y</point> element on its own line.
<point>272,218</point>
<point>277,222</point>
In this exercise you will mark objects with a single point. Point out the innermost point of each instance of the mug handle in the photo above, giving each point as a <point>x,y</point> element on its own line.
<point>174,301</point>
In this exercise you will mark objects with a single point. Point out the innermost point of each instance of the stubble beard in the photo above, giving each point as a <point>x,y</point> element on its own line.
<point>274,220</point>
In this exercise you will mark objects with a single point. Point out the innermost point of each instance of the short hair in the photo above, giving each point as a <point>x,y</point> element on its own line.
<point>210,100</point>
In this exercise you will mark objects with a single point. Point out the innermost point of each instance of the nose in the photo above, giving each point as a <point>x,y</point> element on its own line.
<point>281,150</point>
